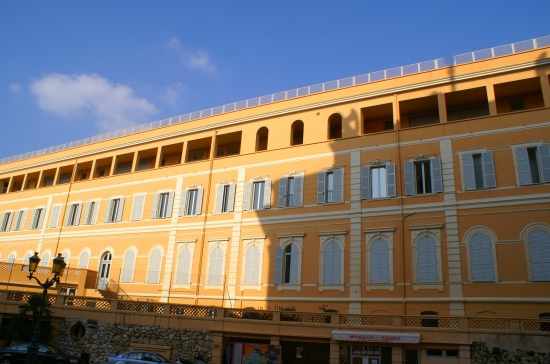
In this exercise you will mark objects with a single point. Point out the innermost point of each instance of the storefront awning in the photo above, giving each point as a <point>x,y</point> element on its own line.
<point>376,337</point>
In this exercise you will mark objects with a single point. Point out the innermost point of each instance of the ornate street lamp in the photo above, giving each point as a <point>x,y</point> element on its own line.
<point>57,270</point>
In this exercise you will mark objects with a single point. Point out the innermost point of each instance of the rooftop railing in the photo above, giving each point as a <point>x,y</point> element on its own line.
<point>469,57</point>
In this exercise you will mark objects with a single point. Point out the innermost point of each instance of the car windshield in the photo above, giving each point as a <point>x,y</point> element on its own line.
<point>53,349</point>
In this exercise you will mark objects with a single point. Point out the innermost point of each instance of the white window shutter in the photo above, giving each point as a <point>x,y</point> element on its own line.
<point>219,199</point>
<point>128,267</point>
<point>95,212</point>
<point>120,209</point>
<point>278,271</point>
<point>55,216</point>
<point>67,214</point>
<point>380,263</point>
<point>267,194</point>
<point>336,263</point>
<point>294,258</point>
<point>321,187</point>
<point>523,166</point>
<point>215,268</point>
<point>252,265</point>
<point>78,212</point>
<point>41,219</point>
<point>108,210</point>
<point>539,253</point>
<point>437,179</point>
<point>22,222</point>
<point>170,206</point>
<point>247,195</point>
<point>183,203</point>
<point>468,172</point>
<point>482,258</point>
<point>84,260</point>
<point>426,250</point>
<point>409,178</point>
<point>297,200</point>
<point>327,264</point>
<point>154,210</point>
<point>198,207</point>
<point>391,181</point>
<point>184,265</point>
<point>153,275</point>
<point>88,212</point>
<point>489,170</point>
<point>231,198</point>
<point>544,156</point>
<point>282,191</point>
<point>32,218</point>
<point>338,192</point>
<point>365,183</point>
<point>137,209</point>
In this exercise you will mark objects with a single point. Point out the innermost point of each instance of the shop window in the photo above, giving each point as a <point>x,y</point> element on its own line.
<point>434,353</point>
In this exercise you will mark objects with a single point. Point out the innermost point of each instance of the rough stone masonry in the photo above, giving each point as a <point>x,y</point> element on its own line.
<point>111,339</point>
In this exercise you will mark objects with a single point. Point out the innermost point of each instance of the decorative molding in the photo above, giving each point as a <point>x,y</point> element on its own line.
<point>292,235</point>
<point>332,233</point>
<point>419,286</point>
<point>379,286</point>
<point>332,287</point>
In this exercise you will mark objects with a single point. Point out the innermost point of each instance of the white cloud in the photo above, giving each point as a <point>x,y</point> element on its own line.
<point>195,60</point>
<point>15,87</point>
<point>111,106</point>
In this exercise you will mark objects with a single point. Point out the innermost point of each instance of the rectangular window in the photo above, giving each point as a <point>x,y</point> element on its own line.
<point>290,192</point>
<point>196,156</point>
<point>5,187</point>
<point>434,353</point>
<point>113,212</point>
<point>163,205</point>
<point>191,202</point>
<point>330,186</point>
<point>90,215</point>
<point>517,104</point>
<point>38,217</point>
<point>83,176</point>
<point>225,198</point>
<point>378,182</point>
<point>287,264</point>
<point>388,125</point>
<point>423,177</point>
<point>72,215</point>
<point>6,221</point>
<point>478,170</point>
<point>451,354</point>
<point>329,183</point>
<point>258,195</point>
<point>69,291</point>
<point>533,164</point>
<point>18,221</point>
<point>48,182</point>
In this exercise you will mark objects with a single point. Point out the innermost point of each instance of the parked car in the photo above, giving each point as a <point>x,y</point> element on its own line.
<point>136,357</point>
<point>16,354</point>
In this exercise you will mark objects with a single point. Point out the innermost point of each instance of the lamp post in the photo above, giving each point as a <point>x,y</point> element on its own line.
<point>57,270</point>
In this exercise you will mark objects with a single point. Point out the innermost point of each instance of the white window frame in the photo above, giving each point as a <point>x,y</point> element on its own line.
<point>524,236</point>
<point>516,162</point>
<point>326,237</point>
<point>133,270</point>
<point>250,202</point>
<point>326,172</point>
<point>7,221</point>
<point>212,244</point>
<point>467,241</point>
<point>135,200</point>
<point>372,235</point>
<point>225,202</point>
<point>248,242</point>
<point>186,244</point>
<point>375,165</point>
<point>283,196</point>
<point>90,216</point>
<point>148,272</point>
<point>70,218</point>
<point>109,210</point>
<point>284,241</point>
<point>417,233</point>
<point>422,158</point>
<point>34,223</point>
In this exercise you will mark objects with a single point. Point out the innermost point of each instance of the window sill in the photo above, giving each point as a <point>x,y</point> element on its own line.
<point>208,286</point>
<point>289,287</point>
<point>257,287</point>
<point>331,287</point>
<point>419,286</point>
<point>381,286</point>
<point>378,199</point>
<point>425,194</point>
<point>182,286</point>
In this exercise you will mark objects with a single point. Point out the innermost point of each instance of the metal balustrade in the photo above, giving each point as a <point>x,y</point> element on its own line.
<point>439,63</point>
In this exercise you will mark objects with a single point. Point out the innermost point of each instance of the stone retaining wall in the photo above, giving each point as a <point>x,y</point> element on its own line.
<point>106,339</point>
<point>480,354</point>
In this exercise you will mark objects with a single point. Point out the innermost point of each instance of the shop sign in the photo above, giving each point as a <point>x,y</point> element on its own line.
<point>366,352</point>
<point>378,337</point>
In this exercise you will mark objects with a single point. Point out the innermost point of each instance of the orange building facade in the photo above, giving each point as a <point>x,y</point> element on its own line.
<point>396,216</point>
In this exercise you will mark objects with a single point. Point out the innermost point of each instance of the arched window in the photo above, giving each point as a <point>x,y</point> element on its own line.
<point>66,254</point>
<point>481,255</point>
<point>45,261</point>
<point>539,254</point>
<point>297,131</point>
<point>252,265</point>
<point>379,262</point>
<point>216,266</point>
<point>11,258</point>
<point>426,260</point>
<point>84,260</point>
<point>261,139</point>
<point>128,267</point>
<point>332,263</point>
<point>290,264</point>
<point>184,266</point>
<point>335,126</point>
<point>104,271</point>
<point>26,259</point>
<point>153,274</point>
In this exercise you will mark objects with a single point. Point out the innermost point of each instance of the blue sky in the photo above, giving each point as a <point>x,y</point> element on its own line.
<point>74,69</point>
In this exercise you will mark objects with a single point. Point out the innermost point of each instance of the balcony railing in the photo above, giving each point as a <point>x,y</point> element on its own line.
<point>382,322</point>
<point>445,62</point>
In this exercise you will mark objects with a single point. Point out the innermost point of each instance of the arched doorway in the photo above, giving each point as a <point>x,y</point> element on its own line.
<point>104,271</point>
